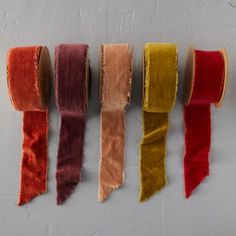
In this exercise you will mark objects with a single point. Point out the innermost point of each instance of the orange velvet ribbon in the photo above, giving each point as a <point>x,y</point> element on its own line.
<point>28,76</point>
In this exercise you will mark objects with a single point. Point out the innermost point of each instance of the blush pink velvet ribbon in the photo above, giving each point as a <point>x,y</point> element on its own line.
<point>71,78</point>
<point>115,93</point>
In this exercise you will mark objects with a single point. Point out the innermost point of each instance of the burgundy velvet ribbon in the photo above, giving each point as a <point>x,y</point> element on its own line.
<point>71,66</point>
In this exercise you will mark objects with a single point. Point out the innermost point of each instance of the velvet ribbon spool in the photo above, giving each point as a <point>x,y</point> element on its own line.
<point>205,84</point>
<point>160,79</point>
<point>28,77</point>
<point>115,86</point>
<point>71,89</point>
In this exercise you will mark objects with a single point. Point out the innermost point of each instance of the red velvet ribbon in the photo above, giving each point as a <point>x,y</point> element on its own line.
<point>71,71</point>
<point>204,85</point>
<point>28,75</point>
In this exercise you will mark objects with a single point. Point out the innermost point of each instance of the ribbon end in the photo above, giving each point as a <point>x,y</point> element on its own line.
<point>62,196</point>
<point>188,193</point>
<point>21,202</point>
<point>61,199</point>
<point>146,193</point>
<point>105,191</point>
<point>192,184</point>
<point>25,198</point>
<point>143,198</point>
<point>63,192</point>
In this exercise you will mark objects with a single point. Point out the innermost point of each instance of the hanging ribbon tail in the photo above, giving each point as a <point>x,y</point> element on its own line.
<point>112,153</point>
<point>34,160</point>
<point>152,163</point>
<point>70,154</point>
<point>196,160</point>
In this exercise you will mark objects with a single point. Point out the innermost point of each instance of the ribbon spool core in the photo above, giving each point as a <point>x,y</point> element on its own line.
<point>44,75</point>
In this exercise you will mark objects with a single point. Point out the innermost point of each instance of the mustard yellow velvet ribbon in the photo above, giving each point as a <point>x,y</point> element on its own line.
<point>159,93</point>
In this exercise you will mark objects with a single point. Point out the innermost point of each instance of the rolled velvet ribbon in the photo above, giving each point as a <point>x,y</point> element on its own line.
<point>159,94</point>
<point>28,77</point>
<point>115,84</point>
<point>71,89</point>
<point>205,84</point>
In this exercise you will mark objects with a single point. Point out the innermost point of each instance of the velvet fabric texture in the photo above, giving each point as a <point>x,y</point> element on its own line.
<point>115,94</point>
<point>71,85</point>
<point>159,92</point>
<point>28,77</point>
<point>204,85</point>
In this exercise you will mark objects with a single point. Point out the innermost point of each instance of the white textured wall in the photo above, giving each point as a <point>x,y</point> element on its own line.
<point>211,211</point>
